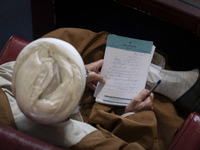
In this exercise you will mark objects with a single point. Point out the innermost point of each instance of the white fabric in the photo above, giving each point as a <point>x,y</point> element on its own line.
<point>153,74</point>
<point>63,134</point>
<point>48,80</point>
<point>127,114</point>
<point>6,75</point>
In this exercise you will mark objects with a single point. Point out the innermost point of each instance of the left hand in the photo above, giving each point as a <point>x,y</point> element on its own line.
<point>94,74</point>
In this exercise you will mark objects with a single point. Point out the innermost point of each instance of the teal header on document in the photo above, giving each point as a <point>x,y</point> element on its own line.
<point>129,44</point>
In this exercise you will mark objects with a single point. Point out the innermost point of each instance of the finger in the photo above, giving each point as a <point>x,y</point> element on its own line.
<point>148,104</point>
<point>151,96</point>
<point>94,66</point>
<point>140,97</point>
<point>132,104</point>
<point>95,77</point>
<point>143,93</point>
<point>135,102</point>
<point>91,86</point>
<point>138,105</point>
<point>99,63</point>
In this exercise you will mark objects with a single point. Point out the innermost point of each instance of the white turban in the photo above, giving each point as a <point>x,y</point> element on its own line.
<point>48,80</point>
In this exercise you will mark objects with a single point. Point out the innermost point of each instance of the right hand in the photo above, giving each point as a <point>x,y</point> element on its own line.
<point>137,104</point>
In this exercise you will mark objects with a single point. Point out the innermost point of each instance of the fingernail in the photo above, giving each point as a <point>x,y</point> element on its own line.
<point>104,81</point>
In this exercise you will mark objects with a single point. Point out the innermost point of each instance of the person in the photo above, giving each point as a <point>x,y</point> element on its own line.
<point>174,83</point>
<point>35,83</point>
<point>139,127</point>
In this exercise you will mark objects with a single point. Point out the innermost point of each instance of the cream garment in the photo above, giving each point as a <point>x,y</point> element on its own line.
<point>64,134</point>
<point>48,80</point>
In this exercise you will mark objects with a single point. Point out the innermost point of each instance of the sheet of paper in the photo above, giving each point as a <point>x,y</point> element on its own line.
<point>125,69</point>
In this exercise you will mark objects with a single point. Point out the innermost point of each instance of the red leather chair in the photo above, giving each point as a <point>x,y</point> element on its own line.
<point>11,139</point>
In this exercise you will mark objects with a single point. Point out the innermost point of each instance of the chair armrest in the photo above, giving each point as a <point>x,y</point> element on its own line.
<point>14,139</point>
<point>188,138</point>
<point>12,48</point>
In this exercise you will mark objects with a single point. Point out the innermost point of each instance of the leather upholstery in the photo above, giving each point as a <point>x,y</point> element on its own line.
<point>14,139</point>
<point>12,49</point>
<point>188,138</point>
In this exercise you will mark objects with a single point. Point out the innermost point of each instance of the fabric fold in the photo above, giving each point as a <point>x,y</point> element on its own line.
<point>48,80</point>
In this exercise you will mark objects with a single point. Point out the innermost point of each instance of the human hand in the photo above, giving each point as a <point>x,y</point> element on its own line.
<point>94,74</point>
<point>137,104</point>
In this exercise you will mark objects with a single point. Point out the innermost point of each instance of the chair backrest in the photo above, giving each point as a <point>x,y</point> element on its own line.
<point>12,48</point>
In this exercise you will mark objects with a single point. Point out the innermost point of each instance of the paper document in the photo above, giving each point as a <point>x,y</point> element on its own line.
<point>125,69</point>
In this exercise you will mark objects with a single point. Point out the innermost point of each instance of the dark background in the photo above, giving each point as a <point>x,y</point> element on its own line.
<point>32,19</point>
<point>15,18</point>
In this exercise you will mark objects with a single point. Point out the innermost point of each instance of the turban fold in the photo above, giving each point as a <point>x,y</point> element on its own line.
<point>48,80</point>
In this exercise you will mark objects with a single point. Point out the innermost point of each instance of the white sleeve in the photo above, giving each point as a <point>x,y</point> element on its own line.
<point>127,114</point>
<point>63,134</point>
<point>6,71</point>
